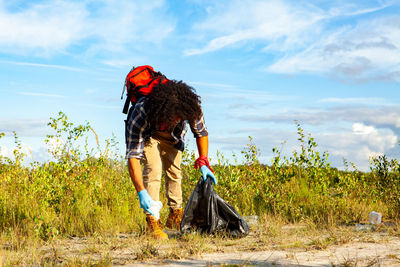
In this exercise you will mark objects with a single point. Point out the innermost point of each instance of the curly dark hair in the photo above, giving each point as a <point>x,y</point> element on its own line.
<point>174,98</point>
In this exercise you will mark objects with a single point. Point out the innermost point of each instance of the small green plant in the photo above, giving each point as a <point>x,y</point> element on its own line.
<point>63,144</point>
<point>386,178</point>
<point>148,250</point>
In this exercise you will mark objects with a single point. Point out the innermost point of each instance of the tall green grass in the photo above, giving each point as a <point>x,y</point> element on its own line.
<point>78,194</point>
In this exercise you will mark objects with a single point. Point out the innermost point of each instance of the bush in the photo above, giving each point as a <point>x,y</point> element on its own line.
<point>79,194</point>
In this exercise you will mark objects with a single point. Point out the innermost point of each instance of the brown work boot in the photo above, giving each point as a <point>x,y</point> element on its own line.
<point>154,228</point>
<point>174,218</point>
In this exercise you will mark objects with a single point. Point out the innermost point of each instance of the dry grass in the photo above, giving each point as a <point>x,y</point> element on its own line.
<point>124,248</point>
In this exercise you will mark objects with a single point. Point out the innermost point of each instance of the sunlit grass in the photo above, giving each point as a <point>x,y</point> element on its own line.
<point>79,195</point>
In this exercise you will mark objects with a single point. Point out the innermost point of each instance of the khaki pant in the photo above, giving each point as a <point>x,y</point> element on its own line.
<point>160,155</point>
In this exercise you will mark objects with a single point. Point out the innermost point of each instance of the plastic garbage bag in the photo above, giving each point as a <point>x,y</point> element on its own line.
<point>209,213</point>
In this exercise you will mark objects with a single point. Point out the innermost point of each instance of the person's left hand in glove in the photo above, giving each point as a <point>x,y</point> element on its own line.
<point>205,168</point>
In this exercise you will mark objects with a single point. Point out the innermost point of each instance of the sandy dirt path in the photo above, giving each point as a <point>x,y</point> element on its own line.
<point>266,245</point>
<point>352,254</point>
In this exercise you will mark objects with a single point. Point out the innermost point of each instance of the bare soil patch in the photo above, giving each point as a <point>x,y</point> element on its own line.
<point>268,244</point>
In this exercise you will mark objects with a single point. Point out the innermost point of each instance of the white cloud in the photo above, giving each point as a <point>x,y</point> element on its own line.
<point>281,24</point>
<point>211,84</point>
<point>50,26</point>
<point>6,152</point>
<point>102,106</point>
<point>368,51</point>
<point>382,117</point>
<point>41,94</point>
<point>128,25</point>
<point>9,151</point>
<point>359,144</point>
<point>61,67</point>
<point>359,128</point>
<point>119,63</point>
<point>39,154</point>
<point>305,37</point>
<point>23,127</point>
<point>355,100</point>
<point>352,132</point>
<point>241,21</point>
<point>378,140</point>
<point>55,26</point>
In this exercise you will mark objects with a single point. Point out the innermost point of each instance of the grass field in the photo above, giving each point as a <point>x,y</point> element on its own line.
<point>79,196</point>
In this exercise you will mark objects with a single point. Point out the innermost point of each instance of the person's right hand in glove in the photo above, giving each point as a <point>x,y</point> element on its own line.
<point>205,168</point>
<point>145,201</point>
<point>206,172</point>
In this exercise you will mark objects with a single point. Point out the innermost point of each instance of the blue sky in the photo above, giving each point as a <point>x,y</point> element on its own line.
<point>334,66</point>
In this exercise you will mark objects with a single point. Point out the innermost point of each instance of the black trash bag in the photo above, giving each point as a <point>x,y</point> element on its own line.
<point>209,213</point>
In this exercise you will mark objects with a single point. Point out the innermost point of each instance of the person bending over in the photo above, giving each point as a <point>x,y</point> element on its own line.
<point>155,131</point>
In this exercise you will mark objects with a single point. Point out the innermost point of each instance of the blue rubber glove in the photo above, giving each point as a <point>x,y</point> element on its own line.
<point>206,172</point>
<point>145,201</point>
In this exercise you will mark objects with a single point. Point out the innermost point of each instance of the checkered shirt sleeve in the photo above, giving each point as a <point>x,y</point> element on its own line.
<point>135,130</point>
<point>198,127</point>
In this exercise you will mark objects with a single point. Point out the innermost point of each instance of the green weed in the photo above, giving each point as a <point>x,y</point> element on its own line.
<point>78,194</point>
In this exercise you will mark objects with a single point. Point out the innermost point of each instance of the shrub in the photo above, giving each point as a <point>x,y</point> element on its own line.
<point>79,194</point>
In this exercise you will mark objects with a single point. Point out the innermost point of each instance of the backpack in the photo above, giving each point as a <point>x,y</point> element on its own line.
<point>139,82</point>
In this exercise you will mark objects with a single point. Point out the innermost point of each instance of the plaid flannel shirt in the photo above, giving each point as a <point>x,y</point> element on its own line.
<point>138,130</point>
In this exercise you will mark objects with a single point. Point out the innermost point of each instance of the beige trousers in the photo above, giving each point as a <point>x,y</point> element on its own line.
<point>159,156</point>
